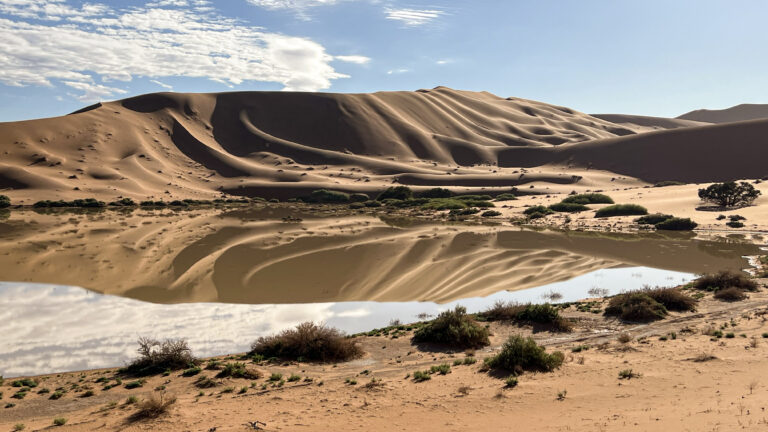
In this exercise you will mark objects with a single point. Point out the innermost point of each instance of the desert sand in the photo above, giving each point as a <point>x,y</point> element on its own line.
<point>689,381</point>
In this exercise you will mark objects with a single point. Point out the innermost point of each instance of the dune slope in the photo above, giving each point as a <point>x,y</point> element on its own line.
<point>733,114</point>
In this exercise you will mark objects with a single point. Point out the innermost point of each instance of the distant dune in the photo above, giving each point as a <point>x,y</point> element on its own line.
<point>653,123</point>
<point>284,144</point>
<point>733,114</point>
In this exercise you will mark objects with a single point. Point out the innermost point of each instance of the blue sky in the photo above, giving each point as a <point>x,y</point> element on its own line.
<point>651,57</point>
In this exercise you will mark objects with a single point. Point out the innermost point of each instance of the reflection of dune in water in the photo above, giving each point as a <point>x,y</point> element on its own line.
<point>253,257</point>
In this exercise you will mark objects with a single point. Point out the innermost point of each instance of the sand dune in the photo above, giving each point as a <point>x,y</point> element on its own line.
<point>733,114</point>
<point>251,256</point>
<point>638,122</point>
<point>283,144</point>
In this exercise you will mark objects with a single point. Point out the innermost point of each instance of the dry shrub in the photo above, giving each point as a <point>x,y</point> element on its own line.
<point>725,279</point>
<point>153,407</point>
<point>672,299</point>
<point>625,338</point>
<point>730,294</point>
<point>635,306</point>
<point>157,357</point>
<point>238,370</point>
<point>308,341</point>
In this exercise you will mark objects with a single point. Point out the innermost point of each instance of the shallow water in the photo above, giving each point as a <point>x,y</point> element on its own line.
<point>223,278</point>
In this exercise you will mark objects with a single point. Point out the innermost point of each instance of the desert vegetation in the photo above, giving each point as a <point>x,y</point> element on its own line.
<point>545,314</point>
<point>454,328</point>
<point>635,306</point>
<point>729,194</point>
<point>621,210</point>
<point>159,356</point>
<point>308,342</point>
<point>726,285</point>
<point>520,354</point>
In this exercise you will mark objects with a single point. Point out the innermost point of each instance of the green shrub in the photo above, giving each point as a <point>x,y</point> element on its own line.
<point>308,341</point>
<point>238,370</point>
<point>454,328</point>
<point>511,381</point>
<point>56,395</point>
<point>156,357</point>
<point>491,213</point>
<point>591,198</point>
<point>666,183</point>
<point>628,374</point>
<point>59,421</point>
<point>528,314</point>
<point>442,369</point>
<point>635,306</point>
<point>396,192</point>
<point>372,204</point>
<point>505,197</point>
<point>653,219</point>
<point>672,299</point>
<point>564,207</point>
<point>359,197</point>
<point>724,279</point>
<point>735,224</point>
<point>436,193</point>
<point>26,382</point>
<point>523,354</point>
<point>677,224</point>
<point>125,202</point>
<point>134,384</point>
<point>444,204</point>
<point>474,197</point>
<point>420,376</point>
<point>537,212</point>
<point>464,212</point>
<point>5,202</point>
<point>729,194</point>
<point>621,210</point>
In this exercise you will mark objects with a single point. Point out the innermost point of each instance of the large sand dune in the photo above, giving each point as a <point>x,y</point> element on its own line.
<point>286,144</point>
<point>733,114</point>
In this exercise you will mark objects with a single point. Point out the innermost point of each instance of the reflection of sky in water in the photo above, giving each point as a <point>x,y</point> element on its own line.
<point>49,328</point>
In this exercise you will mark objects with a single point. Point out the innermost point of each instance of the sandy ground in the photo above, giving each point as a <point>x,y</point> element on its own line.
<point>674,392</point>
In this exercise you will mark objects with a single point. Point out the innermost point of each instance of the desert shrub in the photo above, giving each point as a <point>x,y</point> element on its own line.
<point>524,354</point>
<point>444,204</point>
<point>238,370</point>
<point>527,313</point>
<point>372,204</point>
<point>5,202</point>
<point>59,421</point>
<point>454,328</point>
<point>82,203</point>
<point>420,376</point>
<point>564,207</point>
<point>491,213</point>
<point>356,205</point>
<point>309,341</point>
<point>735,224</point>
<point>511,381</point>
<point>672,299</point>
<point>178,203</point>
<point>505,197</point>
<point>729,194</point>
<point>621,210</point>
<point>730,294</point>
<point>359,197</point>
<point>628,374</point>
<point>396,192</point>
<point>635,306</point>
<point>724,279</point>
<point>464,212</point>
<point>328,196</point>
<point>191,371</point>
<point>206,382</point>
<point>442,369</point>
<point>152,204</point>
<point>26,382</point>
<point>474,197</point>
<point>436,193</point>
<point>591,198</point>
<point>153,407</point>
<point>156,357</point>
<point>537,212</point>
<point>677,224</point>
<point>666,183</point>
<point>653,219</point>
<point>125,202</point>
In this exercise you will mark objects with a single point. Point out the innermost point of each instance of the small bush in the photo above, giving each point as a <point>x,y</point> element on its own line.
<point>666,183</point>
<point>238,370</point>
<point>436,193</point>
<point>621,210</point>
<point>511,381</point>
<point>442,369</point>
<point>328,196</point>
<point>537,212</point>
<point>491,213</point>
<point>156,357</point>
<point>628,374</point>
<point>191,371</point>
<point>505,197</point>
<point>677,224</point>
<point>294,378</point>
<point>735,224</point>
<point>420,376</point>
<point>134,384</point>
<point>564,207</point>
<point>591,198</point>
<point>730,294</point>
<point>672,299</point>
<point>359,198</point>
<point>153,407</point>
<point>396,192</point>
<point>308,341</point>
<point>527,313</point>
<point>59,421</point>
<point>724,279</point>
<point>635,306</point>
<point>5,202</point>
<point>523,354</point>
<point>454,328</point>
<point>653,219</point>
<point>125,202</point>
<point>205,382</point>
<point>444,204</point>
<point>56,395</point>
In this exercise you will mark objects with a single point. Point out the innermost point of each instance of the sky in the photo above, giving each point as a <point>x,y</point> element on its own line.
<point>649,57</point>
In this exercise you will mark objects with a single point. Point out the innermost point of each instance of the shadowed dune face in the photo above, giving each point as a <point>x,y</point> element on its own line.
<point>252,256</point>
<point>283,144</point>
<point>733,114</point>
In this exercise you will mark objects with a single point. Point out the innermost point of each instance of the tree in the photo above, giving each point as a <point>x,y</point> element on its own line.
<point>729,194</point>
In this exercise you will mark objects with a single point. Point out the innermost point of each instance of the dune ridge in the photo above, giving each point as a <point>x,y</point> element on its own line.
<point>286,144</point>
<point>736,113</point>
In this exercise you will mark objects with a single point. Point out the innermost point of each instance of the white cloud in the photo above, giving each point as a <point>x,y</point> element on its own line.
<point>353,59</point>
<point>291,4</point>
<point>167,38</point>
<point>444,61</point>
<point>162,84</point>
<point>413,17</point>
<point>398,71</point>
